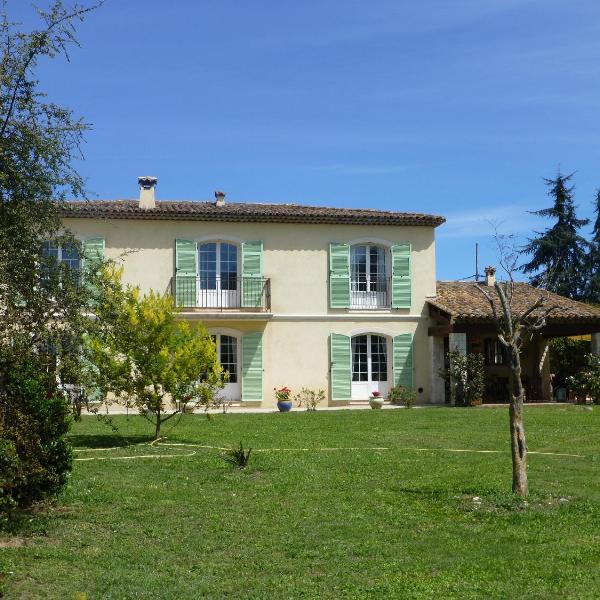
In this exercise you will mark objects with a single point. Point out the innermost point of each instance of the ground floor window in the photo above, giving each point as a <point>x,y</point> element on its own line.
<point>494,353</point>
<point>228,353</point>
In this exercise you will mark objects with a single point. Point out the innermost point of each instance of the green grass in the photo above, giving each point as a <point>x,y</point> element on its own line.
<point>395,523</point>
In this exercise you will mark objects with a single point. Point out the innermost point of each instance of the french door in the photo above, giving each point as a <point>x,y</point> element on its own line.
<point>218,275</point>
<point>368,279</point>
<point>370,372</point>
<point>228,355</point>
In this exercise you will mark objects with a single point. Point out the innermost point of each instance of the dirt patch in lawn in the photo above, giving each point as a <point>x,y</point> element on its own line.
<point>15,542</point>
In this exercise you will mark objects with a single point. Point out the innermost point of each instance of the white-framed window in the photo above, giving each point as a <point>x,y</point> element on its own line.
<point>218,274</point>
<point>65,253</point>
<point>369,274</point>
<point>228,348</point>
<point>218,265</point>
<point>369,358</point>
<point>370,365</point>
<point>227,353</point>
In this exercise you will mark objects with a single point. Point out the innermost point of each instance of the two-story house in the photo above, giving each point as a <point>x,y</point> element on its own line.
<point>297,296</point>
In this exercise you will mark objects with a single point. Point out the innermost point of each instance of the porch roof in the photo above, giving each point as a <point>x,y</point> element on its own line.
<point>461,302</point>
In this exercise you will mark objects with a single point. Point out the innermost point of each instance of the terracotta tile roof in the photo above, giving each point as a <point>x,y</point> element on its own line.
<point>245,212</point>
<point>464,302</point>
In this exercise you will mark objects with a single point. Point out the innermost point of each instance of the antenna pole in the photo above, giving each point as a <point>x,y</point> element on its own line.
<point>476,261</point>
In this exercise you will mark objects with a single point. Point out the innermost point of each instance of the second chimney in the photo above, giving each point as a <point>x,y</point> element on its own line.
<point>219,198</point>
<point>147,185</point>
<point>490,276</point>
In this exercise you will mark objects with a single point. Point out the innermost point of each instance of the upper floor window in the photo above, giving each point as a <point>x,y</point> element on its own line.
<point>368,276</point>
<point>217,266</point>
<point>66,253</point>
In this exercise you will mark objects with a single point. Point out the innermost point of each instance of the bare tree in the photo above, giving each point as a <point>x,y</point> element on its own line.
<point>514,326</point>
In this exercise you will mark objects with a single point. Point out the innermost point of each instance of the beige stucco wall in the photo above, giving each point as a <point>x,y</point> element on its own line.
<point>296,259</point>
<point>296,353</point>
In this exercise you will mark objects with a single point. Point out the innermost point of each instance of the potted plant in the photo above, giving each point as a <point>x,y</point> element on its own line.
<point>376,400</point>
<point>284,404</point>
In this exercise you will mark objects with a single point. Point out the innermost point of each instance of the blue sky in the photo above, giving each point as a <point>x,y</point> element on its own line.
<point>457,108</point>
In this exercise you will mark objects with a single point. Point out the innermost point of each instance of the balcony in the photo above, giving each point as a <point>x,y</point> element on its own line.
<point>372,294</point>
<point>251,294</point>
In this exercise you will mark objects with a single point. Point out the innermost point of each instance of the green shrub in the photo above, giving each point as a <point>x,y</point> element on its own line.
<point>309,398</point>
<point>587,381</point>
<point>402,396</point>
<point>35,418</point>
<point>567,358</point>
<point>9,474</point>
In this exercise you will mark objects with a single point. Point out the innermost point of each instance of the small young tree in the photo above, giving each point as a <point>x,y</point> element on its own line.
<point>513,328</point>
<point>145,357</point>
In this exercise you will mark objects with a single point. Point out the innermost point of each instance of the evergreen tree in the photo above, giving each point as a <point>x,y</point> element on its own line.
<point>558,255</point>
<point>593,266</point>
<point>42,304</point>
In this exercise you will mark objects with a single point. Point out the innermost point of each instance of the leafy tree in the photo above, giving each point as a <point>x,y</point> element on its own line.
<point>558,256</point>
<point>41,302</point>
<point>140,353</point>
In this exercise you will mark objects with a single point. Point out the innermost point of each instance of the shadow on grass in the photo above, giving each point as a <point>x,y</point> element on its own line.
<point>108,440</point>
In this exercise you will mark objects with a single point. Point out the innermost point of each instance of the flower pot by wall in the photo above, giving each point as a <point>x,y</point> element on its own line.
<point>376,402</point>
<point>284,406</point>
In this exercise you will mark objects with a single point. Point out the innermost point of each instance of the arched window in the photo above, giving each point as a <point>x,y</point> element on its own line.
<point>228,355</point>
<point>218,280</point>
<point>370,365</point>
<point>368,276</point>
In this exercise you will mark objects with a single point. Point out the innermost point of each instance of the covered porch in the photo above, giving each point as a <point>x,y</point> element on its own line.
<point>461,319</point>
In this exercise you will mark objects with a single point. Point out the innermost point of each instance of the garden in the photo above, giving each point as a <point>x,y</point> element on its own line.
<point>332,504</point>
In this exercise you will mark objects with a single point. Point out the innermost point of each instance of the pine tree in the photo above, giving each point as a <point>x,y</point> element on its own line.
<point>558,255</point>
<point>593,266</point>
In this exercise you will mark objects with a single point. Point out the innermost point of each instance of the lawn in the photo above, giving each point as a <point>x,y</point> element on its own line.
<point>392,516</point>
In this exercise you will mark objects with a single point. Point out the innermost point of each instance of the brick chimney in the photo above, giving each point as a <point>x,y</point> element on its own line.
<point>490,276</point>
<point>147,185</point>
<point>219,198</point>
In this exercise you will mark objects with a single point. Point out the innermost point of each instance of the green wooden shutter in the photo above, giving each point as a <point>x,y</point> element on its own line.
<point>185,273</point>
<point>252,272</point>
<point>93,250</point>
<point>401,276</point>
<point>341,367</point>
<point>93,255</point>
<point>252,366</point>
<point>403,360</point>
<point>339,275</point>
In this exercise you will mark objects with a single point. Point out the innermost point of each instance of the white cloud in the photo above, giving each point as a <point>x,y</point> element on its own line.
<point>479,223</point>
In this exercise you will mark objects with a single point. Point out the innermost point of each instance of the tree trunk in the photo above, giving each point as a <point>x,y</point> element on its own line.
<point>517,430</point>
<point>158,422</point>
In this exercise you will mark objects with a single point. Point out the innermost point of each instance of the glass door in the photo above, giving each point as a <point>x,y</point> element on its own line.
<point>368,282</point>
<point>218,275</point>
<point>369,366</point>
